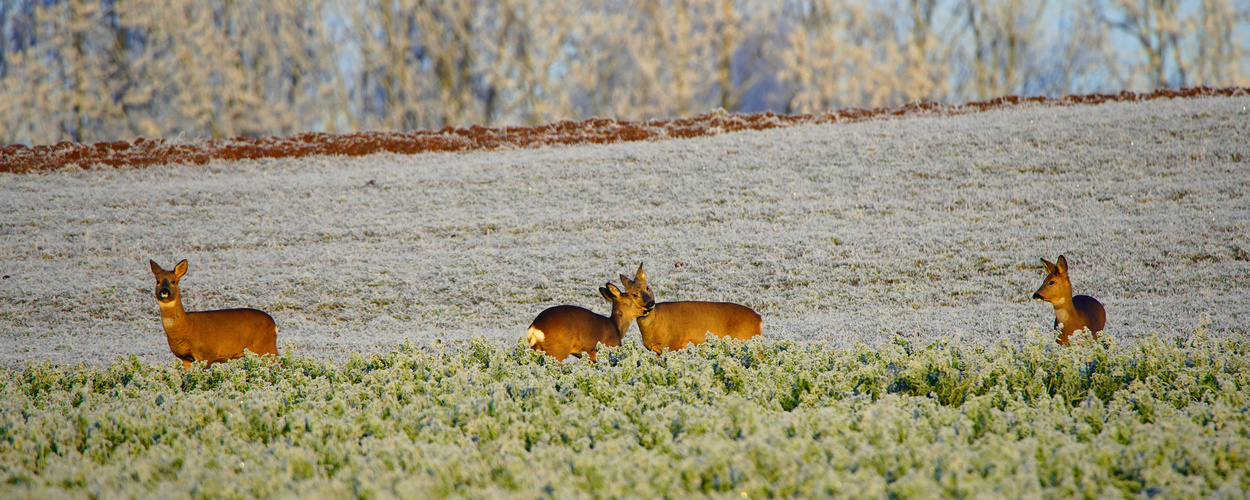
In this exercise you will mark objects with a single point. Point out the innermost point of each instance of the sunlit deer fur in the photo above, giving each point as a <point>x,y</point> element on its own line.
<point>211,336</point>
<point>1071,313</point>
<point>674,325</point>
<point>563,330</point>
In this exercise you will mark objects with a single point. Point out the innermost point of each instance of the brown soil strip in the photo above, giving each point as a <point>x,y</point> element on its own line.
<point>143,152</point>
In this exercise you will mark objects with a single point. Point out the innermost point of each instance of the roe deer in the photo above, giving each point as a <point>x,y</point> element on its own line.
<point>1071,313</point>
<point>212,336</point>
<point>563,330</point>
<point>673,325</point>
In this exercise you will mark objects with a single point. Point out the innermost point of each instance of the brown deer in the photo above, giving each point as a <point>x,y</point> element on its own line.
<point>212,336</point>
<point>1071,313</point>
<point>674,325</point>
<point>563,330</point>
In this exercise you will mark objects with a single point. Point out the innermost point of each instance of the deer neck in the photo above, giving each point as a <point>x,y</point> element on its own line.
<point>1065,311</point>
<point>177,328</point>
<point>648,320</point>
<point>621,322</point>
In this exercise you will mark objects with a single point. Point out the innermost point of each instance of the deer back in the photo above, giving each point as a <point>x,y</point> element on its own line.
<point>673,325</point>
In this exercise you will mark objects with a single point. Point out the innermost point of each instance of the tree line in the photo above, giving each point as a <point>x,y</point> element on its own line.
<point>90,71</point>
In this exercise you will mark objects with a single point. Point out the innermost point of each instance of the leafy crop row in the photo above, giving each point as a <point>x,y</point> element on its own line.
<point>740,419</point>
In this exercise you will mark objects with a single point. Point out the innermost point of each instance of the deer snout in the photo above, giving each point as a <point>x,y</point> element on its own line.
<point>1037,296</point>
<point>162,293</point>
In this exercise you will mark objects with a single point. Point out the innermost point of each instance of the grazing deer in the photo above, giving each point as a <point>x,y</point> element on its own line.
<point>1071,313</point>
<point>212,336</point>
<point>673,325</point>
<point>563,330</point>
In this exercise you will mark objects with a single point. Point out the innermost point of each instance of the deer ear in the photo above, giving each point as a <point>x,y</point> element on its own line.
<point>625,280</point>
<point>156,268</point>
<point>1050,268</point>
<point>180,269</point>
<point>640,275</point>
<point>609,292</point>
<point>1062,265</point>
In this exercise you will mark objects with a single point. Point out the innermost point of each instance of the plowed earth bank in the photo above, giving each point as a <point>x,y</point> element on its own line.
<point>855,227</point>
<point>142,152</point>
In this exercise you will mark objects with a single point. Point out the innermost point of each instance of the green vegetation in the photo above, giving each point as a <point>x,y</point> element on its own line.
<point>728,419</point>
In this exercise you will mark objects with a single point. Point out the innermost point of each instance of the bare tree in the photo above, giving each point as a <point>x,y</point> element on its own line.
<point>86,71</point>
<point>1182,43</point>
<point>743,35</point>
<point>1155,26</point>
<point>1217,57</point>
<point>821,49</point>
<point>1001,33</point>
<point>386,94</point>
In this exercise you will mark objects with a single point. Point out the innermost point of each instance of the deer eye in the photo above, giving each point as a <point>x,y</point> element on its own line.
<point>1052,282</point>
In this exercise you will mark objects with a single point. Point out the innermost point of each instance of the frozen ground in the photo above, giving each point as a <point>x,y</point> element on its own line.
<point>923,227</point>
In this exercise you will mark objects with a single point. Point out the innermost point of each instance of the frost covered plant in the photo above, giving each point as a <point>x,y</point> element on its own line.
<point>725,418</point>
<point>1083,337</point>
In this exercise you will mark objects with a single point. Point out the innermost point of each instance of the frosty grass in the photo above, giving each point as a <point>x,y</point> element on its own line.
<point>892,262</point>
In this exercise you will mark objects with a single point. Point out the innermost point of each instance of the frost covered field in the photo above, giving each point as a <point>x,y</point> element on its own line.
<point>838,234</point>
<point>892,261</point>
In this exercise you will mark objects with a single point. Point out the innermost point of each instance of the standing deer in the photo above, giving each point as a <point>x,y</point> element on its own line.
<point>1071,313</point>
<point>212,336</point>
<point>673,325</point>
<point>563,330</point>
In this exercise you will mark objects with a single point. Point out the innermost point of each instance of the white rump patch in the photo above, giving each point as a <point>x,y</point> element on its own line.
<point>535,335</point>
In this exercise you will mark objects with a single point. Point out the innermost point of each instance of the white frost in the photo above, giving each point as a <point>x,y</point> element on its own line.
<point>836,234</point>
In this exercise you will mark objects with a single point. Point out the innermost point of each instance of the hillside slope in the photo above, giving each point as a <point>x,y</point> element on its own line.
<point>925,226</point>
